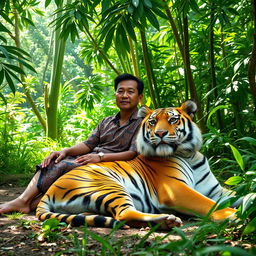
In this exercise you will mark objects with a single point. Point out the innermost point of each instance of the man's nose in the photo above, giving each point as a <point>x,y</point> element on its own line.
<point>125,94</point>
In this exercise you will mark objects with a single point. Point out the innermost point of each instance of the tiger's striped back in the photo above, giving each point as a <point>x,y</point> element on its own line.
<point>75,191</point>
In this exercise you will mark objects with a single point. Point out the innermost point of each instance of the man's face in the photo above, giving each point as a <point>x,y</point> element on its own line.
<point>127,95</point>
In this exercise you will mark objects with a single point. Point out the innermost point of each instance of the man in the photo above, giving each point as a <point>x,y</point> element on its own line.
<point>112,140</point>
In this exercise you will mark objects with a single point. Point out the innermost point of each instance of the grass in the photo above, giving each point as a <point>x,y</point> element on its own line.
<point>207,238</point>
<point>197,237</point>
<point>19,179</point>
<point>14,216</point>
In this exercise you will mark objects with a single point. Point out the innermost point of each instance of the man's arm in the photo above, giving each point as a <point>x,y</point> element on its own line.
<point>108,157</point>
<point>122,156</point>
<point>78,149</point>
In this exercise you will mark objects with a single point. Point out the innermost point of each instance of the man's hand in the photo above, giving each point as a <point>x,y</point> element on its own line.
<point>89,158</point>
<point>59,155</point>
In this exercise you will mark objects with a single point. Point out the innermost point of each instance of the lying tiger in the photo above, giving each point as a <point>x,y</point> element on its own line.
<point>169,173</point>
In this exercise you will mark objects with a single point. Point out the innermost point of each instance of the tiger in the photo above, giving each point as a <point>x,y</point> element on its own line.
<point>169,175</point>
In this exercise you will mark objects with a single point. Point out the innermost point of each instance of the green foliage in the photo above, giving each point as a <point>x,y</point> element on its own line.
<point>238,157</point>
<point>26,223</point>
<point>79,246</point>
<point>12,57</point>
<point>15,141</point>
<point>244,183</point>
<point>76,123</point>
<point>8,56</point>
<point>103,37</point>
<point>207,238</point>
<point>51,230</point>
<point>208,122</point>
<point>91,92</point>
<point>225,250</point>
<point>109,245</point>
<point>248,175</point>
<point>22,139</point>
<point>14,216</point>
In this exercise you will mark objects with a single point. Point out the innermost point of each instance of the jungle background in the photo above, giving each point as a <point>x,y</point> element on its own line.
<point>58,60</point>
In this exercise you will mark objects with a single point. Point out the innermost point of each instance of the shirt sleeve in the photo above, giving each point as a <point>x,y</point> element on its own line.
<point>94,138</point>
<point>133,146</point>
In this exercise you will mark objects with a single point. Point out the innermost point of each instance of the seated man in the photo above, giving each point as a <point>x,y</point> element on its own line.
<point>112,140</point>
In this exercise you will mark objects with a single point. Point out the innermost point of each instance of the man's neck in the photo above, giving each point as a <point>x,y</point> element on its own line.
<point>125,116</point>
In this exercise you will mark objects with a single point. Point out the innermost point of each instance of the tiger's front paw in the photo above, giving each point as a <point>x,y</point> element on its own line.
<point>170,221</point>
<point>227,213</point>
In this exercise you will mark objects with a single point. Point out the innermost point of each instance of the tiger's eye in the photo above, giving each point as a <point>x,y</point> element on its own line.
<point>152,122</point>
<point>173,120</point>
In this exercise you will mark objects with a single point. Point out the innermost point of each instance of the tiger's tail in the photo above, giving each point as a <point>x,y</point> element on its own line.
<point>80,219</point>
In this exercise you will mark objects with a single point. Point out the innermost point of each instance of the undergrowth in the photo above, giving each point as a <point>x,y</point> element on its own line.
<point>196,238</point>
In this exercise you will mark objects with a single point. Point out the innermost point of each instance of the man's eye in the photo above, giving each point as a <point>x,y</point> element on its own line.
<point>152,122</point>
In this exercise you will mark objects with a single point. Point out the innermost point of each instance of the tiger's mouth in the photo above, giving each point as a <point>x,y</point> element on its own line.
<point>172,144</point>
<point>165,149</point>
<point>171,141</point>
<point>162,142</point>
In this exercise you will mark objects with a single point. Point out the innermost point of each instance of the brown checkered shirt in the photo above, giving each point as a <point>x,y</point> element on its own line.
<point>110,137</point>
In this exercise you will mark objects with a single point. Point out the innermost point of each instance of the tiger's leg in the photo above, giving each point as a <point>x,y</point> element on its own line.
<point>136,218</point>
<point>185,199</point>
<point>108,199</point>
<point>123,209</point>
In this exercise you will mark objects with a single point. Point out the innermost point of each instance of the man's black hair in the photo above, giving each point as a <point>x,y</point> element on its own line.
<point>123,77</point>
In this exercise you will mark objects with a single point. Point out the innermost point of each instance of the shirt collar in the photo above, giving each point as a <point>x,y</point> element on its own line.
<point>134,116</point>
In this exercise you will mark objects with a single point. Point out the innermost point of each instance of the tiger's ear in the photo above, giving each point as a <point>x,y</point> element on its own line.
<point>144,111</point>
<point>189,107</point>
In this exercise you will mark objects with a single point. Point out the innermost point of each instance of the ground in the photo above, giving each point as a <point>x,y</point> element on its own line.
<point>20,236</point>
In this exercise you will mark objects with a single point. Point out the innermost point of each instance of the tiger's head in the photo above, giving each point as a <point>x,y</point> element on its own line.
<point>168,131</point>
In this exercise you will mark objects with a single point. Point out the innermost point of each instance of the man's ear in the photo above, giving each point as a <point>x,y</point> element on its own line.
<point>189,107</point>
<point>141,99</point>
<point>144,111</point>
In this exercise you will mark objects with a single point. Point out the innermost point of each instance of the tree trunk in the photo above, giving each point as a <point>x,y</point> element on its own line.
<point>234,102</point>
<point>125,62</point>
<point>190,80</point>
<point>180,100</point>
<point>174,30</point>
<point>212,64</point>
<point>22,77</point>
<point>49,55</point>
<point>133,57</point>
<point>252,61</point>
<point>148,68</point>
<point>184,51</point>
<point>52,102</point>
<point>223,49</point>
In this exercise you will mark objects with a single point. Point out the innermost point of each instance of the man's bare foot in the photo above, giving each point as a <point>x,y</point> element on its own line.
<point>16,205</point>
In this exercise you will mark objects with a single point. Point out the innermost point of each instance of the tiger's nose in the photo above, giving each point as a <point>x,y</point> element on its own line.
<point>161,133</point>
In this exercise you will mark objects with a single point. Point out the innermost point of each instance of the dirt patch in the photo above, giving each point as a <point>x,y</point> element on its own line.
<point>20,236</point>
